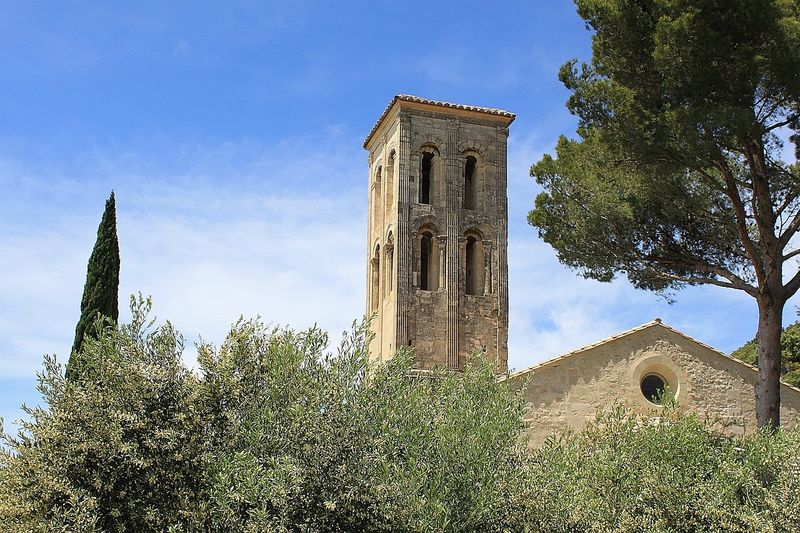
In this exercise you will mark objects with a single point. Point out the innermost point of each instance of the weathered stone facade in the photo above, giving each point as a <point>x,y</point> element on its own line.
<point>437,276</point>
<point>567,392</point>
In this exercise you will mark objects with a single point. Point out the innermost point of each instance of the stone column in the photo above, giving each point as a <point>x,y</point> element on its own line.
<point>442,241</point>
<point>403,237</point>
<point>451,181</point>
<point>502,247</point>
<point>414,261</point>
<point>368,292</point>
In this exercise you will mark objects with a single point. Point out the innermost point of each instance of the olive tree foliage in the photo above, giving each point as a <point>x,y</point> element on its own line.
<point>117,449</point>
<point>677,177</point>
<point>272,433</point>
<point>309,441</point>
<point>628,472</point>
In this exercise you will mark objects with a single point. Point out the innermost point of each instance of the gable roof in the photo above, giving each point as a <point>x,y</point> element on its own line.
<point>656,323</point>
<point>437,103</point>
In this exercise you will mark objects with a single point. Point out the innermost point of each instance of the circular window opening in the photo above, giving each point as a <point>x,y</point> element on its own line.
<point>653,387</point>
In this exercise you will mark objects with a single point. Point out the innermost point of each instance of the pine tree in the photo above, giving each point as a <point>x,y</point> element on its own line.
<point>100,294</point>
<point>679,177</point>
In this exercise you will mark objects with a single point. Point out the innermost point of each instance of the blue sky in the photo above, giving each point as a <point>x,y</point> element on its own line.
<point>231,133</point>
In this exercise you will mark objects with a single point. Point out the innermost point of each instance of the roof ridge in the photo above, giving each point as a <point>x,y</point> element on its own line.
<point>654,322</point>
<point>440,103</point>
<point>591,345</point>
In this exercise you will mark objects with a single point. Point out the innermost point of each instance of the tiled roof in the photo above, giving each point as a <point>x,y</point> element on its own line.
<point>439,103</point>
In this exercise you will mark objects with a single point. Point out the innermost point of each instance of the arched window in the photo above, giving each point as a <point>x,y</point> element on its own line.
<point>475,268</point>
<point>389,182</point>
<point>389,264</point>
<point>376,277</point>
<point>470,183</point>
<point>376,200</point>
<point>427,177</point>
<point>425,255</point>
<point>428,261</point>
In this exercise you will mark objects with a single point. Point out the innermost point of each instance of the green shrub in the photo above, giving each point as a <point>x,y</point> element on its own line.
<point>670,473</point>
<point>118,449</point>
<point>276,434</point>
<point>790,354</point>
<point>306,441</point>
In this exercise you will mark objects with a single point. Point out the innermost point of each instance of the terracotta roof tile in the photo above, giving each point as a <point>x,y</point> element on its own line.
<point>439,103</point>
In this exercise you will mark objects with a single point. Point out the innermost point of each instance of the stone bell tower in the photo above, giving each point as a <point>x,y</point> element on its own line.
<point>437,272</point>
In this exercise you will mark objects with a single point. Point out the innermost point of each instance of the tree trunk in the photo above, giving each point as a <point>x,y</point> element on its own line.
<point>768,394</point>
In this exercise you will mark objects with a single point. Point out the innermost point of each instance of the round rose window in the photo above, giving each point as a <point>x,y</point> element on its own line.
<point>653,387</point>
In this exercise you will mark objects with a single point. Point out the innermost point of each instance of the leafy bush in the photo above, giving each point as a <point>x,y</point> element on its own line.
<point>628,472</point>
<point>275,434</point>
<point>306,441</point>
<point>790,354</point>
<point>119,449</point>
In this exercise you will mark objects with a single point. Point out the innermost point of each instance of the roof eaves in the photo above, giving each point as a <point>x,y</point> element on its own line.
<point>438,103</point>
<point>656,322</point>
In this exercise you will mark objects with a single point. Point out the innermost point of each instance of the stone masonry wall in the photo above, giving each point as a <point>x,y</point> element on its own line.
<point>449,326</point>
<point>567,392</point>
<point>443,324</point>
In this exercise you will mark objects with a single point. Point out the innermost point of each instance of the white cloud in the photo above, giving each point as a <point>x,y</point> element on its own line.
<point>215,232</point>
<point>231,230</point>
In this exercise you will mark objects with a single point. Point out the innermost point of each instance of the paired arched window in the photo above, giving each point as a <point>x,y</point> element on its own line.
<point>475,267</point>
<point>471,183</point>
<point>427,177</point>
<point>376,278</point>
<point>376,198</point>
<point>428,260</point>
<point>389,182</point>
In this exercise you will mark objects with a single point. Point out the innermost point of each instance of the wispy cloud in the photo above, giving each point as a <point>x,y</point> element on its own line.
<point>249,241</point>
<point>215,231</point>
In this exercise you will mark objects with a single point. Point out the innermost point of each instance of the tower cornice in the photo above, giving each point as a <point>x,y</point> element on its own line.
<point>407,101</point>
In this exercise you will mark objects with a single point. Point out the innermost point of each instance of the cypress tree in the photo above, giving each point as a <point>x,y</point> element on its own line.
<point>100,293</point>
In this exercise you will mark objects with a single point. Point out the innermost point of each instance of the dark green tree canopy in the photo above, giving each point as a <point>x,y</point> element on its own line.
<point>678,113</point>
<point>678,175</point>
<point>101,291</point>
<point>790,354</point>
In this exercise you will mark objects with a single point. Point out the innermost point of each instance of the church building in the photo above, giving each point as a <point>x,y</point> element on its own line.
<point>437,281</point>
